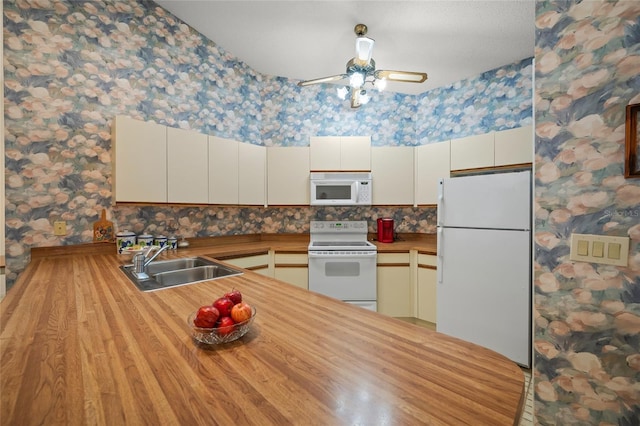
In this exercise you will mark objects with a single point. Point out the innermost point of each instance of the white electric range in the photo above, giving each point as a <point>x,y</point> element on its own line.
<point>342,263</point>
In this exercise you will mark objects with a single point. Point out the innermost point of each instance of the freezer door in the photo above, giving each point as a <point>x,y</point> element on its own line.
<point>484,292</point>
<point>497,201</point>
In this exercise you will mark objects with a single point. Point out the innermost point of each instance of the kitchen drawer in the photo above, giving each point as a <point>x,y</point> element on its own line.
<point>291,259</point>
<point>427,260</point>
<point>255,261</point>
<point>393,258</point>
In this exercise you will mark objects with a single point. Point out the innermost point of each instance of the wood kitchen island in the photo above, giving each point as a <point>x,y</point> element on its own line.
<point>80,344</point>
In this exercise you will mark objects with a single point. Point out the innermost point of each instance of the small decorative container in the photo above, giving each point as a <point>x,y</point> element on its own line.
<point>145,240</point>
<point>125,239</point>
<point>173,243</point>
<point>160,240</point>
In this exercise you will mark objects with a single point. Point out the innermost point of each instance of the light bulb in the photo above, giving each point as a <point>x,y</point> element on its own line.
<point>380,84</point>
<point>343,92</point>
<point>356,80</point>
<point>364,98</point>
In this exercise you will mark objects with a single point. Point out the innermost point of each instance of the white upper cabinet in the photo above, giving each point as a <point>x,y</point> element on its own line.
<point>140,166</point>
<point>223,171</point>
<point>502,148</point>
<point>340,153</point>
<point>472,152</point>
<point>514,146</point>
<point>288,175</point>
<point>252,174</point>
<point>392,173</point>
<point>432,163</point>
<point>187,167</point>
<point>324,153</point>
<point>355,153</point>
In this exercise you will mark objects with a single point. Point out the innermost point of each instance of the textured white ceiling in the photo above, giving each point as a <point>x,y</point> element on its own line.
<point>301,40</point>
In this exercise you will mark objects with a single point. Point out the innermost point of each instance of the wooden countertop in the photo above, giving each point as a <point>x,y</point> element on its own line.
<point>81,345</point>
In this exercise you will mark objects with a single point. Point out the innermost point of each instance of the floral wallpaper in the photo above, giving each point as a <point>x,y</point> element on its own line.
<point>71,66</point>
<point>587,315</point>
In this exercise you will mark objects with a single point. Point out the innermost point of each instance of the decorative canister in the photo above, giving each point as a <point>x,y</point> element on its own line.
<point>160,240</point>
<point>145,239</point>
<point>173,243</point>
<point>124,239</point>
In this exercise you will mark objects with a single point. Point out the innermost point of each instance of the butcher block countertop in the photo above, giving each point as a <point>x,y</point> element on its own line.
<point>80,344</point>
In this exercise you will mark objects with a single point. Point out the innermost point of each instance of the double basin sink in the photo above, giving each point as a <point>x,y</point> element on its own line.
<point>176,272</point>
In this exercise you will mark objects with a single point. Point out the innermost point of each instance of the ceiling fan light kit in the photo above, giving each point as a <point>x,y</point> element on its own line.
<point>361,71</point>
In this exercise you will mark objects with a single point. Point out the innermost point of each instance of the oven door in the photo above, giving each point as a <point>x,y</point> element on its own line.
<point>349,277</point>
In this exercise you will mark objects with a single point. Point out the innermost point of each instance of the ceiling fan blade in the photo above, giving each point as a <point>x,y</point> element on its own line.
<point>322,80</point>
<point>404,76</point>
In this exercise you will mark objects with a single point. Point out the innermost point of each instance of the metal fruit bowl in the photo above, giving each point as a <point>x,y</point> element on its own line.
<point>215,336</point>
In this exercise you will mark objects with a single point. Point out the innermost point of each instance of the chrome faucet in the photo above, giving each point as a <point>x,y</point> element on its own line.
<point>140,262</point>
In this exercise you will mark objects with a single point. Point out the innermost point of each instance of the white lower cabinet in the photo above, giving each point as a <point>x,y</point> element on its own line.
<point>259,262</point>
<point>292,268</point>
<point>426,288</point>
<point>395,295</point>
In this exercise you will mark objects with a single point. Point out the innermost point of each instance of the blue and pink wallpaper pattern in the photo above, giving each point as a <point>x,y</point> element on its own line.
<point>587,314</point>
<point>71,66</point>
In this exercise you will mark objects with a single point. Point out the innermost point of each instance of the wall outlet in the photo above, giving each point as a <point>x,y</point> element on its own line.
<point>59,227</point>
<point>600,249</point>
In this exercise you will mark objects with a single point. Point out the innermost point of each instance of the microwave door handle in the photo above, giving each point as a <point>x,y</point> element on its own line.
<point>357,192</point>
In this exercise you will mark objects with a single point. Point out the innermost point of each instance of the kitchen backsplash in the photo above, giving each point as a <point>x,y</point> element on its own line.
<point>71,66</point>
<point>215,221</point>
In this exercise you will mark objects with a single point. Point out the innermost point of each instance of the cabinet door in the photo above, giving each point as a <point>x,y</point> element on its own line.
<point>252,174</point>
<point>223,171</point>
<point>355,153</point>
<point>514,146</point>
<point>187,168</point>
<point>294,275</point>
<point>427,287</point>
<point>432,163</point>
<point>140,166</point>
<point>394,285</point>
<point>324,153</point>
<point>288,175</point>
<point>472,152</point>
<point>292,268</point>
<point>392,172</point>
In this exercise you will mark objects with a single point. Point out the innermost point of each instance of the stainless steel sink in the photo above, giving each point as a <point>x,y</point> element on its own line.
<point>175,272</point>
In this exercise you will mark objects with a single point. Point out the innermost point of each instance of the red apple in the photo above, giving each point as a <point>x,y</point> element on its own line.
<point>206,317</point>
<point>223,305</point>
<point>225,326</point>
<point>240,312</point>
<point>235,296</point>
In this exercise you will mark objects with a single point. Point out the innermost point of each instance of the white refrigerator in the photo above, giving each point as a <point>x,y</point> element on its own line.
<point>484,262</point>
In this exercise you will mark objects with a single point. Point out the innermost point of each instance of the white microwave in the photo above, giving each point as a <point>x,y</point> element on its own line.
<point>340,189</point>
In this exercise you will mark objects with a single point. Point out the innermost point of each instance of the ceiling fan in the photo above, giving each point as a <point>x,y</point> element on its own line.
<point>361,70</point>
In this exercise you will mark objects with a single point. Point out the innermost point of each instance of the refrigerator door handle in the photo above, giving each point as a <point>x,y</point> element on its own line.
<point>440,249</point>
<point>440,210</point>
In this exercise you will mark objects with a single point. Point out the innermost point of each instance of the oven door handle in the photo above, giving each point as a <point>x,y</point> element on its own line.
<point>364,255</point>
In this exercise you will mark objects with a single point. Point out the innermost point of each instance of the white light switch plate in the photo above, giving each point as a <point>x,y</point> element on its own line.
<point>600,249</point>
